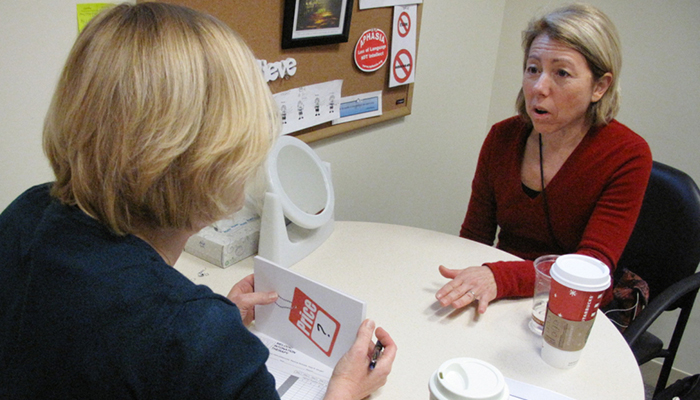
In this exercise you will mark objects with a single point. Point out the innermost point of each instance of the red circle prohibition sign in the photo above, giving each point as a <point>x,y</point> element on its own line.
<point>404,24</point>
<point>403,65</point>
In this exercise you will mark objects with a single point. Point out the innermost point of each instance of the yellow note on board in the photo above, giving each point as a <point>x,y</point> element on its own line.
<point>87,11</point>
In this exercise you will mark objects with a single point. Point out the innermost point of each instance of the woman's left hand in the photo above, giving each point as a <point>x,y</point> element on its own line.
<point>244,296</point>
<point>467,285</point>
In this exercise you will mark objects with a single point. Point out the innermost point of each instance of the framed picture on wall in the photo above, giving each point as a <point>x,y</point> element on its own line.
<point>315,22</point>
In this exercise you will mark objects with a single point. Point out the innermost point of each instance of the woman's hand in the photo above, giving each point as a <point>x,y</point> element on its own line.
<point>244,296</point>
<point>352,378</point>
<point>467,285</point>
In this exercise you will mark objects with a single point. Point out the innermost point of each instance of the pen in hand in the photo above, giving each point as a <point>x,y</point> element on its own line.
<point>375,354</point>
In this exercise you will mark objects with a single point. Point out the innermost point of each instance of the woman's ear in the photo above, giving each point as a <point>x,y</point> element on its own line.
<point>601,86</point>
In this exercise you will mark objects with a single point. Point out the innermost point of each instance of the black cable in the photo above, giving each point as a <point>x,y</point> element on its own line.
<point>546,204</point>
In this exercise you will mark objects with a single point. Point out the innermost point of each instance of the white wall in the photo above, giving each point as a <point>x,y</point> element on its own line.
<point>416,170</point>
<point>34,43</point>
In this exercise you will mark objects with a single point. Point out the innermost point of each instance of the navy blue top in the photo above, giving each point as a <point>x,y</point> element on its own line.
<point>86,314</point>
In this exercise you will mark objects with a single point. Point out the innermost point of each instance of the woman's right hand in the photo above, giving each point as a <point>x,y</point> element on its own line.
<point>467,285</point>
<point>352,378</point>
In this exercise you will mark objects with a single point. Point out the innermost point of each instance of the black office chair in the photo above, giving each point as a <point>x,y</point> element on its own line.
<point>664,250</point>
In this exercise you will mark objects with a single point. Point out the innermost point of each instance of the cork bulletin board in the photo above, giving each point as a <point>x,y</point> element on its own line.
<point>260,24</point>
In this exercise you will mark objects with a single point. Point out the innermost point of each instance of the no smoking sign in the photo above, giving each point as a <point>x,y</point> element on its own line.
<point>403,27</point>
<point>403,66</point>
<point>403,46</point>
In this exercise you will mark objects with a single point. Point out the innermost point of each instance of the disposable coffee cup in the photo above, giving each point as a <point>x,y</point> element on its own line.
<point>577,288</point>
<point>468,379</point>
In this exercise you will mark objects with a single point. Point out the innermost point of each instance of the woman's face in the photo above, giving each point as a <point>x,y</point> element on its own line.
<point>559,87</point>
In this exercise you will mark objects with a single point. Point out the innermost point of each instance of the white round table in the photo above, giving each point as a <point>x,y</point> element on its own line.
<point>395,270</point>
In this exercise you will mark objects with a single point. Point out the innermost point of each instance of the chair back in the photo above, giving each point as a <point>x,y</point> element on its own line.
<point>665,244</point>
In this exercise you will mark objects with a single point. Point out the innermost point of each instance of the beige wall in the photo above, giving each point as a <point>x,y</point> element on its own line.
<point>416,170</point>
<point>34,43</point>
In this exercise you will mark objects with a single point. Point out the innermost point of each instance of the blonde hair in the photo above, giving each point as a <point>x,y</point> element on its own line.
<point>160,116</point>
<point>589,31</point>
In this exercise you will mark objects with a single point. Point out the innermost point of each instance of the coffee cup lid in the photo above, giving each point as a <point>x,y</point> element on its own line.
<point>581,273</point>
<point>467,379</point>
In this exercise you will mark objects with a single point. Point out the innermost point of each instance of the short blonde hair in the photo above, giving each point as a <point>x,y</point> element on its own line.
<point>159,117</point>
<point>589,31</point>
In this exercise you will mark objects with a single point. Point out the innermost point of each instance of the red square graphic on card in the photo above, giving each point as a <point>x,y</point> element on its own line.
<point>314,322</point>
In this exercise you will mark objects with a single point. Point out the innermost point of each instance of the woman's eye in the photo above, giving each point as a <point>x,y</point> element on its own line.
<point>531,69</point>
<point>562,73</point>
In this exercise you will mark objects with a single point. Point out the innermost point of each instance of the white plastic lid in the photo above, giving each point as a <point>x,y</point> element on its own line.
<point>581,272</point>
<point>468,379</point>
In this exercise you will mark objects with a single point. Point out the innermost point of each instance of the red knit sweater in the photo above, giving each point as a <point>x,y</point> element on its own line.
<point>594,201</point>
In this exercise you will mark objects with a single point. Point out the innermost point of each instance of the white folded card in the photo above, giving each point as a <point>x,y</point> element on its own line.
<point>309,316</point>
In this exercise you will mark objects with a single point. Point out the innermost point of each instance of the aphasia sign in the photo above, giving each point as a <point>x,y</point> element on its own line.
<point>371,50</point>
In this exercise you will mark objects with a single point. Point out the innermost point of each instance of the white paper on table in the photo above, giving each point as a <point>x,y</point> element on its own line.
<point>297,376</point>
<point>360,106</point>
<point>311,317</point>
<point>525,391</point>
<point>402,64</point>
<point>364,4</point>
<point>307,106</point>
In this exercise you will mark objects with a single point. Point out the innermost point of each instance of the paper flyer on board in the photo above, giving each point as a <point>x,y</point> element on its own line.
<point>360,106</point>
<point>403,46</point>
<point>308,106</point>
<point>365,4</point>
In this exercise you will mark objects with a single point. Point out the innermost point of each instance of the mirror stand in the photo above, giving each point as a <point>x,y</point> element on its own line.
<point>284,242</point>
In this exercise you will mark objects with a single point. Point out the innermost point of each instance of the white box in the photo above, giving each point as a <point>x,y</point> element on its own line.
<point>228,241</point>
